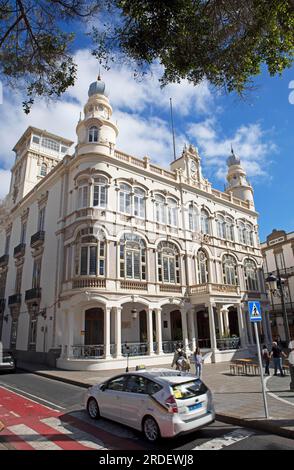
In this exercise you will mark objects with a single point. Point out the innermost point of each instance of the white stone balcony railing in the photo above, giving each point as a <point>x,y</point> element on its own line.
<point>170,288</point>
<point>81,282</point>
<point>211,288</point>
<point>133,285</point>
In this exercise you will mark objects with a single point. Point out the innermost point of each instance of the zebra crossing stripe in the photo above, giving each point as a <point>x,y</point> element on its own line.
<point>79,436</point>
<point>33,438</point>
<point>227,440</point>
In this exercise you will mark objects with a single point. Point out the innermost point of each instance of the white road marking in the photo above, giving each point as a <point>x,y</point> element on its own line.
<point>273,395</point>
<point>227,440</point>
<point>23,393</point>
<point>80,436</point>
<point>32,438</point>
<point>14,414</point>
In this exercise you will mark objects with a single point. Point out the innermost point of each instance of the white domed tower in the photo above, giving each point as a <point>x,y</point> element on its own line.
<point>96,132</point>
<point>237,180</point>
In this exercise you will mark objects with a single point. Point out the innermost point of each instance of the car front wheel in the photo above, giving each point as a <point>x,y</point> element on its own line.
<point>93,408</point>
<point>150,429</point>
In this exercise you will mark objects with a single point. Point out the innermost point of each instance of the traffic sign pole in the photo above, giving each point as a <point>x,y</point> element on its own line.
<point>261,371</point>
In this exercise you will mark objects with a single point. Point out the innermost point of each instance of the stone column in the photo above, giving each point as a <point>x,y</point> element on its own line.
<point>107,312</point>
<point>249,325</point>
<point>266,326</point>
<point>185,329</point>
<point>158,330</point>
<point>117,333</point>
<point>70,322</point>
<point>150,331</point>
<point>225,313</point>
<point>221,322</point>
<point>241,323</point>
<point>212,326</point>
<point>192,329</point>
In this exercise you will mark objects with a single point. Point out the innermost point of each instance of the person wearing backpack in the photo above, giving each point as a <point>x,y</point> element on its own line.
<point>266,359</point>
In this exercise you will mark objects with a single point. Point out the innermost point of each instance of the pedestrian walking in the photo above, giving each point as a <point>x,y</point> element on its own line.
<point>180,360</point>
<point>291,363</point>
<point>198,359</point>
<point>277,354</point>
<point>266,359</point>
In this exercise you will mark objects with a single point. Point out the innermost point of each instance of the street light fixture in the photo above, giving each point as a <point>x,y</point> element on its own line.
<point>275,285</point>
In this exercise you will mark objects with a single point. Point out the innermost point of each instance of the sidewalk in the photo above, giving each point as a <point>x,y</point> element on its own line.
<point>238,399</point>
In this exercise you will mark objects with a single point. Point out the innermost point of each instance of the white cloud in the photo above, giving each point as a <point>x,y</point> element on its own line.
<point>250,143</point>
<point>4,182</point>
<point>142,111</point>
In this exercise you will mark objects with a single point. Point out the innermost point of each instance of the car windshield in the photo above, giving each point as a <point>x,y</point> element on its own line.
<point>189,389</point>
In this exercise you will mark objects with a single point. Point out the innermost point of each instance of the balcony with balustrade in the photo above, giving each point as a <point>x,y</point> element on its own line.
<point>37,239</point>
<point>212,289</point>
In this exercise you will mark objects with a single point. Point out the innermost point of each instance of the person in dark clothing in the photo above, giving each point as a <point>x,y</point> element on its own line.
<point>266,359</point>
<point>276,355</point>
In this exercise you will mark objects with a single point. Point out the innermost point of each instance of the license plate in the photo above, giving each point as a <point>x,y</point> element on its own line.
<point>195,407</point>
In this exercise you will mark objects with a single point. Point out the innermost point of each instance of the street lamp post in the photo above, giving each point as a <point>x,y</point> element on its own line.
<point>276,285</point>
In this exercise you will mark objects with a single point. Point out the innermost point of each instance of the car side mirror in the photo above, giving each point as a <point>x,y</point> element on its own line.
<point>103,387</point>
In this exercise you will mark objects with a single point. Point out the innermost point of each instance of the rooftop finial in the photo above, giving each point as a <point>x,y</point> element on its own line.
<point>233,159</point>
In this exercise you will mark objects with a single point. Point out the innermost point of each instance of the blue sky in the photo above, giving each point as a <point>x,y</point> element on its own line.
<point>260,128</point>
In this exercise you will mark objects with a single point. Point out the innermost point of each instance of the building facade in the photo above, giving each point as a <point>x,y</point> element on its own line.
<point>278,254</point>
<point>105,255</point>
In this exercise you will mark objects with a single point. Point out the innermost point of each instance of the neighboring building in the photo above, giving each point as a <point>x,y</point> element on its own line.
<point>278,254</point>
<point>102,251</point>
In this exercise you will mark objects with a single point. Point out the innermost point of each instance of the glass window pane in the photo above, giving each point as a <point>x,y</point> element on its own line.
<point>93,261</point>
<point>84,260</point>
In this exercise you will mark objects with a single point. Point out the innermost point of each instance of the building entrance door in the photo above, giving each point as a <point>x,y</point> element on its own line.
<point>176,325</point>
<point>94,326</point>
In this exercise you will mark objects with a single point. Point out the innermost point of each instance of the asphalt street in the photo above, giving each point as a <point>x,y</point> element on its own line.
<point>68,400</point>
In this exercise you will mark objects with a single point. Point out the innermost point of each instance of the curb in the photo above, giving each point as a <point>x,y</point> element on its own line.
<point>266,426</point>
<point>57,378</point>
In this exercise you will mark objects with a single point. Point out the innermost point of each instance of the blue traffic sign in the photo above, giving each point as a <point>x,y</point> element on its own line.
<point>254,309</point>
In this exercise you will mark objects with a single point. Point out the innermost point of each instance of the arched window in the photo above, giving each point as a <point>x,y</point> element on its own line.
<point>250,273</point>
<point>204,222</point>
<point>83,190</point>
<point>229,229</point>
<point>249,235</point>
<point>43,170</point>
<point>132,256</point>
<point>125,194</point>
<point>100,192</point>
<point>193,217</point>
<point>172,212</point>
<point>202,267</point>
<point>90,254</point>
<point>168,263</point>
<point>230,270</point>
<point>131,202</point>
<point>139,202</point>
<point>221,226</point>
<point>93,134</point>
<point>160,213</point>
<point>245,234</point>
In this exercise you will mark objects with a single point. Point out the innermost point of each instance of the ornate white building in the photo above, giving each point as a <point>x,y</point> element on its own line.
<point>105,255</point>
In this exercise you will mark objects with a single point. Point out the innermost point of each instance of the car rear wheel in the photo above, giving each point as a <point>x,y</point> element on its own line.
<point>93,408</point>
<point>150,429</point>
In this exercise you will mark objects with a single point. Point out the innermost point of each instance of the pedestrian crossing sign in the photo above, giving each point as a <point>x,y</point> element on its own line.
<point>254,309</point>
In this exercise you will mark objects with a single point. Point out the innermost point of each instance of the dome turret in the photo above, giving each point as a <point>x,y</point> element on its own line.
<point>97,87</point>
<point>238,185</point>
<point>96,131</point>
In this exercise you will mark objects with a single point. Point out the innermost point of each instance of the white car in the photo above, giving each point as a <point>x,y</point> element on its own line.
<point>159,402</point>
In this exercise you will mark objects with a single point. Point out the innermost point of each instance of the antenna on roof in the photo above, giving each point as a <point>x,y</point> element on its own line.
<point>173,131</point>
